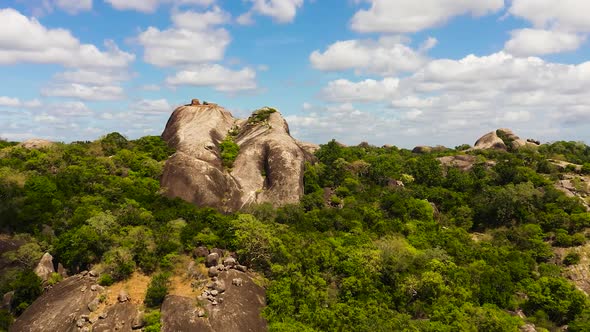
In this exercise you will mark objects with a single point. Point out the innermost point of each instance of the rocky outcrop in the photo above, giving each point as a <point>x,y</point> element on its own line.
<point>463,162</point>
<point>45,267</point>
<point>232,302</point>
<point>490,141</point>
<point>268,168</point>
<point>36,143</point>
<point>60,308</point>
<point>421,149</point>
<point>502,139</point>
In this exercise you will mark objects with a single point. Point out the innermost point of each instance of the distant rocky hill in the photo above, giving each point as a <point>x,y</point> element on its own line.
<point>228,163</point>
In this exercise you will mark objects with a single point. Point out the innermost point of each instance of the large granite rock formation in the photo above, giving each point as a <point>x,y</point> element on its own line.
<point>268,168</point>
<point>502,139</point>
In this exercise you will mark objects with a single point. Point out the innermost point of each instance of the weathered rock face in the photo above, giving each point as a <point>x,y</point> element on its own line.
<point>60,308</point>
<point>238,304</point>
<point>268,168</point>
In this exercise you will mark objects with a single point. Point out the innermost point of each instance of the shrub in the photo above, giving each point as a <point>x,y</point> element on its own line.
<point>5,320</point>
<point>229,151</point>
<point>571,258</point>
<point>105,279</point>
<point>54,279</point>
<point>157,290</point>
<point>152,321</point>
<point>26,289</point>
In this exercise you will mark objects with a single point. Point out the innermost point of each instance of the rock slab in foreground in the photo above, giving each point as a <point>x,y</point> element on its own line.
<point>59,308</point>
<point>239,311</point>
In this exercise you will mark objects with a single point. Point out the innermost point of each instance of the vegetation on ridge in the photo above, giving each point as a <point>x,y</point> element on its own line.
<point>450,250</point>
<point>261,115</point>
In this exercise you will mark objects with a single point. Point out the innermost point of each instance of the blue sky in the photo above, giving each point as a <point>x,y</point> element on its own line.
<point>399,72</point>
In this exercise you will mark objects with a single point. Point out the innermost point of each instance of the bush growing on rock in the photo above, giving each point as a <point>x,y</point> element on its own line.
<point>571,258</point>
<point>229,151</point>
<point>105,279</point>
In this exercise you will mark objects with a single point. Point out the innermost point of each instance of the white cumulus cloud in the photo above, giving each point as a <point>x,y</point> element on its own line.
<point>150,6</point>
<point>216,76</point>
<point>194,38</point>
<point>386,56</point>
<point>26,40</point>
<point>526,42</point>
<point>402,16</point>
<point>282,11</point>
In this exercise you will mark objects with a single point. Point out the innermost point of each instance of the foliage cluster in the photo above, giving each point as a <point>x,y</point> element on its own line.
<point>450,250</point>
<point>229,151</point>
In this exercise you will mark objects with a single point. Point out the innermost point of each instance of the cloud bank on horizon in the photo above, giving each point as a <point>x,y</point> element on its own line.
<point>396,72</point>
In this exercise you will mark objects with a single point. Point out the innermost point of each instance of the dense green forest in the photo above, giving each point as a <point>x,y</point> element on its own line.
<point>449,250</point>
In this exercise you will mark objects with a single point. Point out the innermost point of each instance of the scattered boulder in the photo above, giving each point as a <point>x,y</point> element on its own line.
<point>7,300</point>
<point>218,251</point>
<point>93,305</point>
<point>237,282</point>
<point>218,286</point>
<point>393,183</point>
<point>463,162</point>
<point>428,149</point>
<point>533,141</point>
<point>212,259</point>
<point>201,251</point>
<point>213,271</point>
<point>62,270</point>
<point>123,296</point>
<point>241,268</point>
<point>422,149</point>
<point>230,262</point>
<point>45,267</point>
